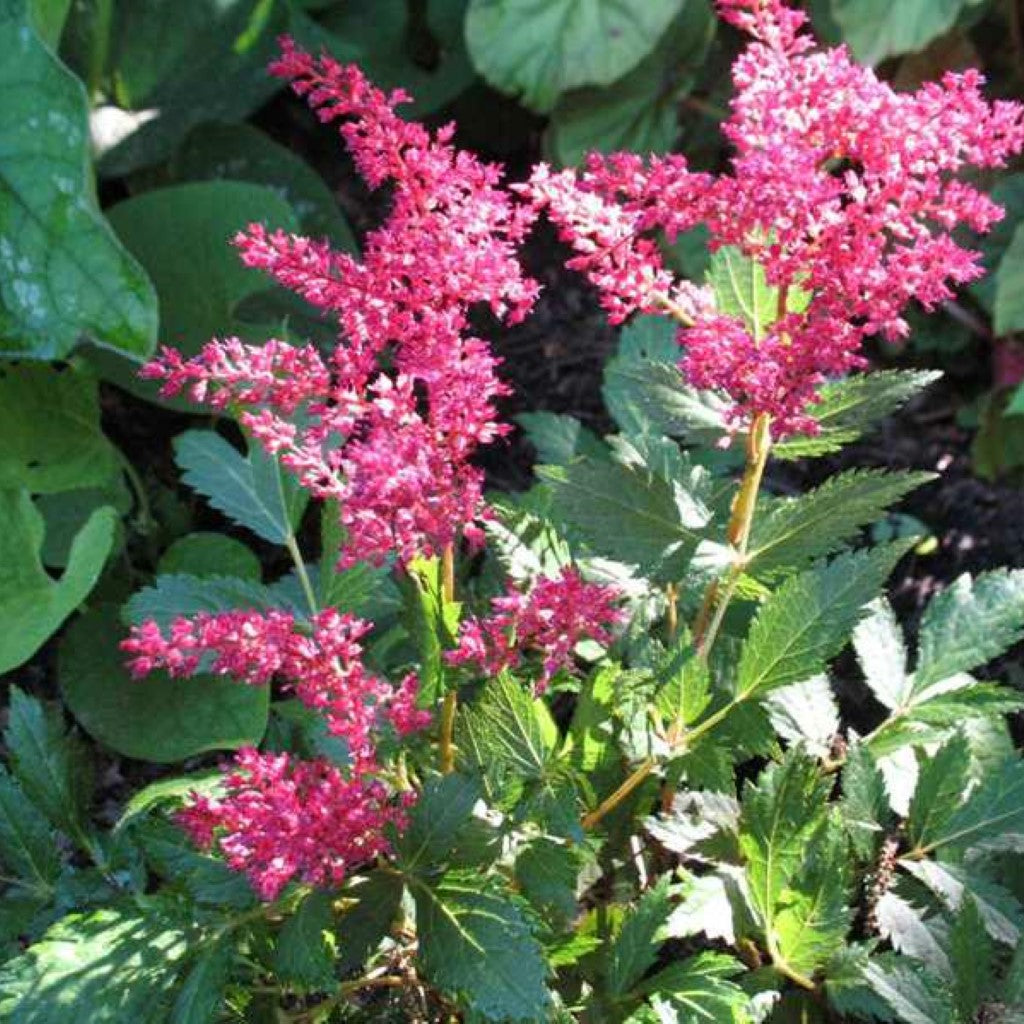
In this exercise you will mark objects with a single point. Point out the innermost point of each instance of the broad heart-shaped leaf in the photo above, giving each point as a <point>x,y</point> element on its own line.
<point>51,765</point>
<point>968,624</point>
<point>698,989</point>
<point>252,490</point>
<point>538,51</point>
<point>63,274</point>
<point>444,805</point>
<point>32,603</point>
<point>50,429</point>
<point>157,718</point>
<point>422,51</point>
<point>239,152</point>
<point>848,407</point>
<point>477,944</point>
<point>994,809</point>
<point>175,66</point>
<point>780,814</point>
<point>28,851</point>
<point>940,787</point>
<point>809,618</point>
<point>742,291</point>
<point>302,954</point>
<point>209,555</point>
<point>636,946</point>
<point>630,514</point>
<point>638,113</point>
<point>182,236</point>
<point>876,29</point>
<point>798,530</point>
<point>117,965</point>
<point>1000,911</point>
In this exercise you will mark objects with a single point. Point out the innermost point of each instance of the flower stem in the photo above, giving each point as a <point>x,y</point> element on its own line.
<point>300,568</point>
<point>447,747</point>
<point>614,799</point>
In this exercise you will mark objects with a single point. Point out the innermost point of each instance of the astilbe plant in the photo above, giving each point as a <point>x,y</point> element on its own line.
<point>837,210</point>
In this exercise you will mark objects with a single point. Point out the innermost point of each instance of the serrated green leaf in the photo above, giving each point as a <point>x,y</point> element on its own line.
<point>849,407</point>
<point>639,113</point>
<point>362,928</point>
<point>705,907</point>
<point>875,29</point>
<point>51,765</point>
<point>1001,913</point>
<point>432,622</point>
<point>170,597</point>
<point>878,641</point>
<point>116,965</point>
<point>699,989</point>
<point>50,425</point>
<point>799,530</point>
<point>477,944</point>
<point>251,490</point>
<point>636,946</point>
<point>912,933</point>
<point>912,994</point>
<point>63,274</point>
<point>968,624</point>
<point>742,291</point>
<point>971,955</point>
<point>809,618</point>
<point>201,997</point>
<point>558,438</point>
<point>686,690</point>
<point>940,787</point>
<point>158,718</point>
<point>444,805</point>
<point>32,603</point>
<point>303,953</point>
<point>806,713</point>
<point>629,514</point>
<point>539,51</point>
<point>181,65</point>
<point>547,873</point>
<point>865,804</point>
<point>28,850</point>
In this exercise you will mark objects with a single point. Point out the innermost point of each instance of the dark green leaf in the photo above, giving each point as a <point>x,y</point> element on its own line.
<point>157,718</point>
<point>865,804</point>
<point>63,274</point>
<point>636,946</point>
<point>32,603</point>
<point>172,596</point>
<point>540,51</point>
<point>204,555</point>
<point>971,954</point>
<point>303,953</point>
<point>252,490</point>
<point>547,872</point>
<point>477,944</point>
<point>557,438</point>
<point>941,784</point>
<point>27,846</point>
<point>913,995</point>
<point>201,998</point>
<point>876,29</point>
<point>361,929</point>
<point>445,804</point>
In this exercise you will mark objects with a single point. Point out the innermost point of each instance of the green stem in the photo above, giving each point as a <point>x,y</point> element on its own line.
<point>300,568</point>
<point>446,750</point>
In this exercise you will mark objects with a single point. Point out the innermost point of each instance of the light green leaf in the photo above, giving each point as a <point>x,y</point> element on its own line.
<point>809,619</point>
<point>157,718</point>
<point>629,514</point>
<point>704,908</point>
<point>63,274</point>
<point>912,933</point>
<point>941,784</point>
<point>878,641</point>
<point>303,953</point>
<point>796,531</point>
<point>173,790</point>
<point>999,909</point>
<point>968,624</point>
<point>201,998</point>
<point>206,555</point>
<point>432,622</point>
<point>639,113</point>
<point>699,989</point>
<point>636,946</point>
<point>686,691</point>
<point>32,603</point>
<point>848,407</point>
<point>48,17</point>
<point>239,152</point>
<point>51,765</point>
<point>182,236</point>
<point>177,65</point>
<point>477,944</point>
<point>50,425</point>
<point>742,291</point>
<point>27,846</point>
<point>252,490</point>
<point>111,966</point>
<point>875,29</point>
<point>539,49</point>
<point>445,804</point>
<point>806,713</point>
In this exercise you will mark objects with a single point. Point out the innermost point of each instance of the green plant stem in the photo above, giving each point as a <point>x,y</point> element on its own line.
<point>450,704</point>
<point>613,800</point>
<point>300,568</point>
